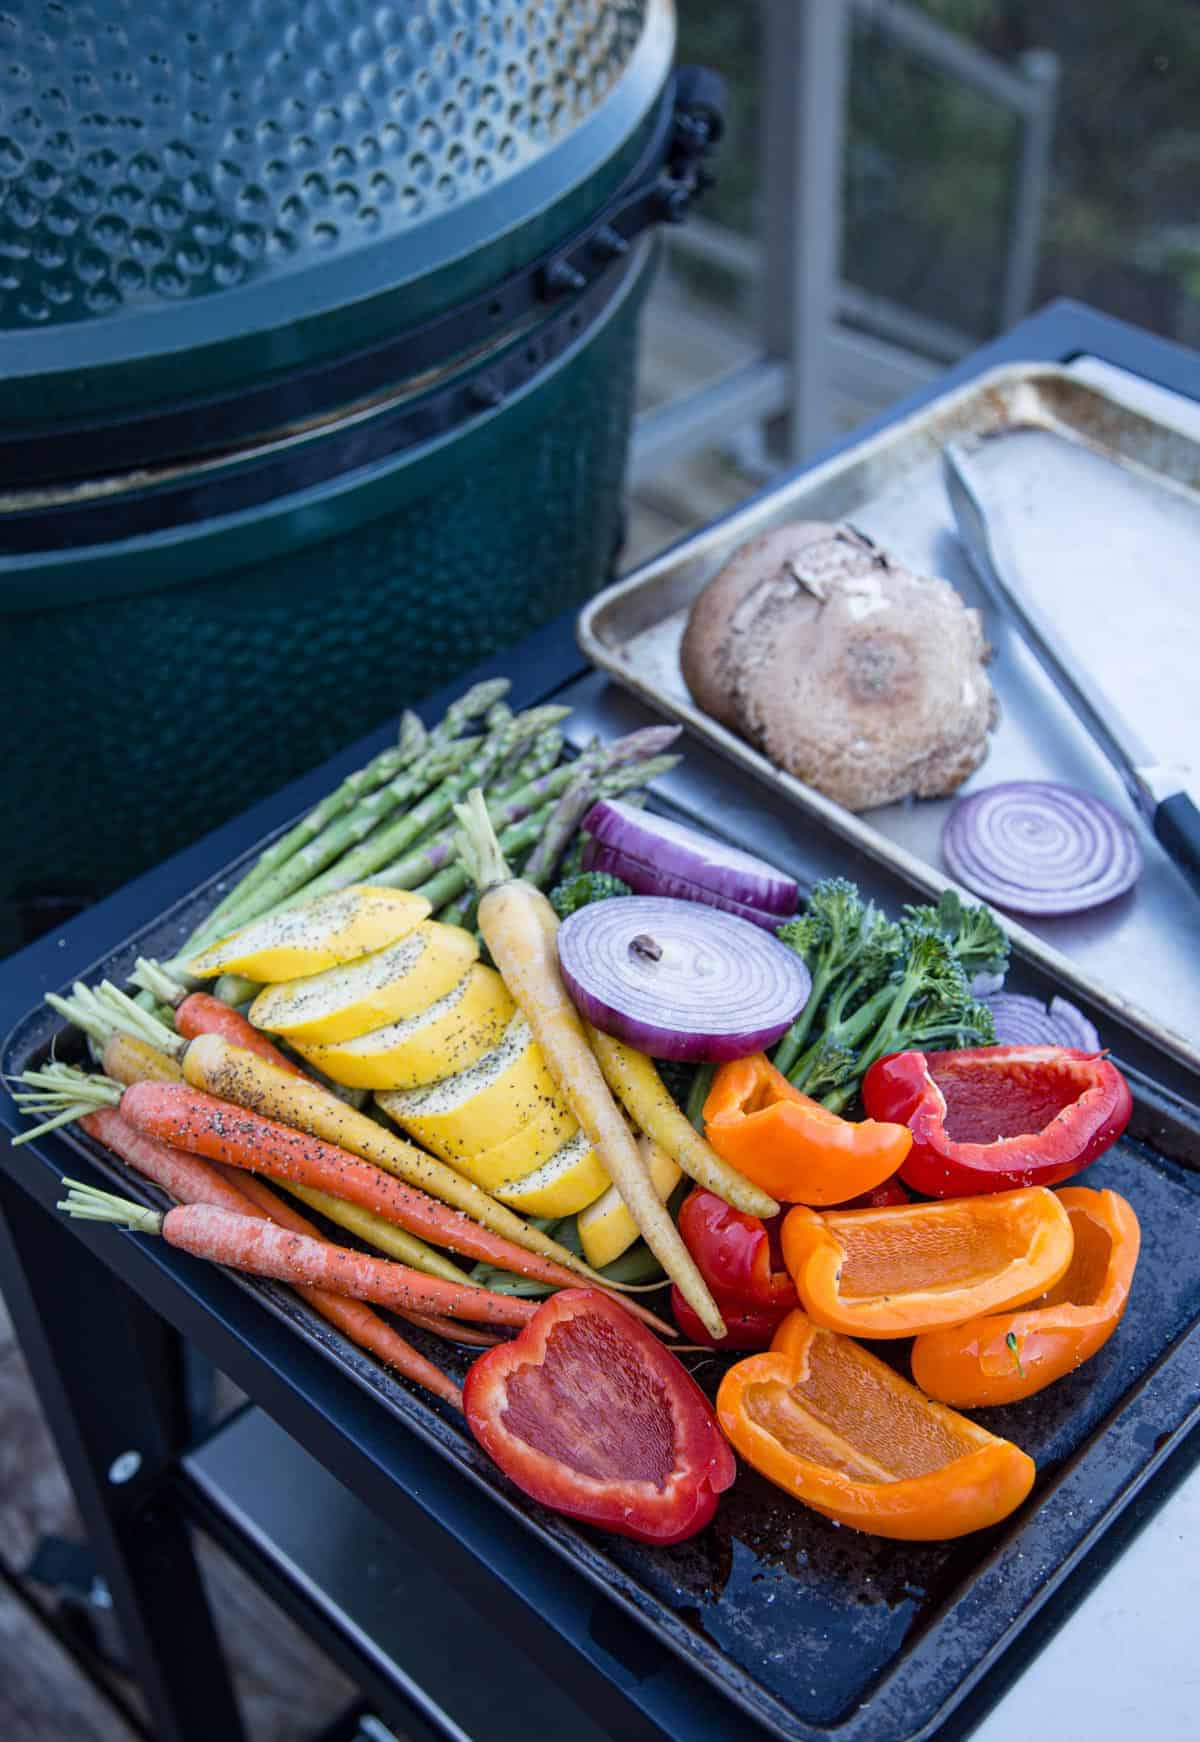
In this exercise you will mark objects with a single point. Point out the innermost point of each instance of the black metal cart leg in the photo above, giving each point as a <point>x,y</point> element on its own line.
<point>105,1376</point>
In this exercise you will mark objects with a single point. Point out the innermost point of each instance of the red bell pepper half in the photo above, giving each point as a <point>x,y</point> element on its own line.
<point>589,1414</point>
<point>994,1118</point>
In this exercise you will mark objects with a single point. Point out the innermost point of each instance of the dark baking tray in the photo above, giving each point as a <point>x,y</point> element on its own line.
<point>813,1631</point>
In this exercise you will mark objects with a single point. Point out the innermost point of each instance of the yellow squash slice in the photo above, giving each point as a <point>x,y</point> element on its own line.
<point>335,928</point>
<point>535,1142</point>
<point>570,1179</point>
<point>449,1037</point>
<point>468,1114</point>
<point>343,1003</point>
<point>606,1229</point>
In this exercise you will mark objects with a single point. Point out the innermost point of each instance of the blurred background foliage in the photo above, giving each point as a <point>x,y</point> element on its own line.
<point>929,163</point>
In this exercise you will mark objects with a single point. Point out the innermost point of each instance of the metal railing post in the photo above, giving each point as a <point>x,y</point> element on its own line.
<point>1027,208</point>
<point>805,53</point>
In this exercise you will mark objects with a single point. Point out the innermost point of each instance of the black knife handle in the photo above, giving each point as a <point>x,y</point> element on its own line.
<point>1177,825</point>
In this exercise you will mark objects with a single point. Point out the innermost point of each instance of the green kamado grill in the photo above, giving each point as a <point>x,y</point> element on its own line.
<point>317,336</point>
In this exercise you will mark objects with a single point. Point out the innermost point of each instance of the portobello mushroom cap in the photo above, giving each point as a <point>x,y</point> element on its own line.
<point>710,654</point>
<point>857,676</point>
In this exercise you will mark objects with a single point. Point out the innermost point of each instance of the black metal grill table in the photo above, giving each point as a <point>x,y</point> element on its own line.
<point>451,1612</point>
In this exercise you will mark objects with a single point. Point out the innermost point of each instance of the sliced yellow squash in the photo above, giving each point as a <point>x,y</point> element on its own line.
<point>570,1179</point>
<point>532,1144</point>
<point>464,1115</point>
<point>342,1003</point>
<point>606,1229</point>
<point>335,928</point>
<point>439,1042</point>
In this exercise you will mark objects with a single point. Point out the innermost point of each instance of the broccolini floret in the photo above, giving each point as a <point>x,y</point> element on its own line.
<point>567,898</point>
<point>881,987</point>
<point>980,941</point>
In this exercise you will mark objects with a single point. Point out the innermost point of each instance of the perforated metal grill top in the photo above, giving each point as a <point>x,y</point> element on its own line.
<point>155,153</point>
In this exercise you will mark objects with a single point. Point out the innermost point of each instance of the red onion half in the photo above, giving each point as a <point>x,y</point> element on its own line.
<point>656,856</point>
<point>1035,846</point>
<point>679,980</point>
<point>1022,1021</point>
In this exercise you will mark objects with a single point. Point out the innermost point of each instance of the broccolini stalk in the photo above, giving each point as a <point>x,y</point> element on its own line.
<point>879,987</point>
<point>827,936</point>
<point>925,1003</point>
<point>698,1095</point>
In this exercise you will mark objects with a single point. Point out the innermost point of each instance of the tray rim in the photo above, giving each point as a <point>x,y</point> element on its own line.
<point>699,1654</point>
<point>754,516</point>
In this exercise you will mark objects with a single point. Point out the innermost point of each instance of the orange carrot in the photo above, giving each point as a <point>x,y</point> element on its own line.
<point>185,1178</point>
<point>201,1013</point>
<point>453,1332</point>
<point>189,1119</point>
<point>278,1209</point>
<point>189,1180</point>
<point>264,1249</point>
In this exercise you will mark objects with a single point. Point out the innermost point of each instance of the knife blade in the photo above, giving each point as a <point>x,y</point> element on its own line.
<point>1158,789</point>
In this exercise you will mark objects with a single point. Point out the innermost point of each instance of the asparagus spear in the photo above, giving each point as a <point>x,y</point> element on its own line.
<point>523,834</point>
<point>378,772</point>
<point>509,806</point>
<point>380,769</point>
<point>461,911</point>
<point>426,773</point>
<point>394,837</point>
<point>475,704</point>
<point>577,799</point>
<point>429,857</point>
<point>528,763</point>
<point>449,883</point>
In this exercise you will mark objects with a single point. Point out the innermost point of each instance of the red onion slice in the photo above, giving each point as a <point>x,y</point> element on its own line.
<point>660,853</point>
<point>1035,846</point>
<point>679,980</point>
<point>1074,1028</point>
<point>1022,1021</point>
<point>650,880</point>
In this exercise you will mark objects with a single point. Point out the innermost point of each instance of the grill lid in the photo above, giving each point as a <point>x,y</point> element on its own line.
<point>198,194</point>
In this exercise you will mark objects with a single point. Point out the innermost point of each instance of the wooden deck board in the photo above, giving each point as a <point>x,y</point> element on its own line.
<point>44,1695</point>
<point>287,1688</point>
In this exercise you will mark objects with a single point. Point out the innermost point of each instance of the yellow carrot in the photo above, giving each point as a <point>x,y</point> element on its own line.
<point>645,1097</point>
<point>520,928</point>
<point>232,1074</point>
<point>129,1060</point>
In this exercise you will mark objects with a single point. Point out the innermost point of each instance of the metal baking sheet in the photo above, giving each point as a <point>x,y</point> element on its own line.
<point>815,1633</point>
<point>1102,504</point>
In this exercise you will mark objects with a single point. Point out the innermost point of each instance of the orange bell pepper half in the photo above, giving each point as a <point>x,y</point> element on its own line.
<point>909,1268</point>
<point>834,1426</point>
<point>792,1147</point>
<point>1007,1356</point>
